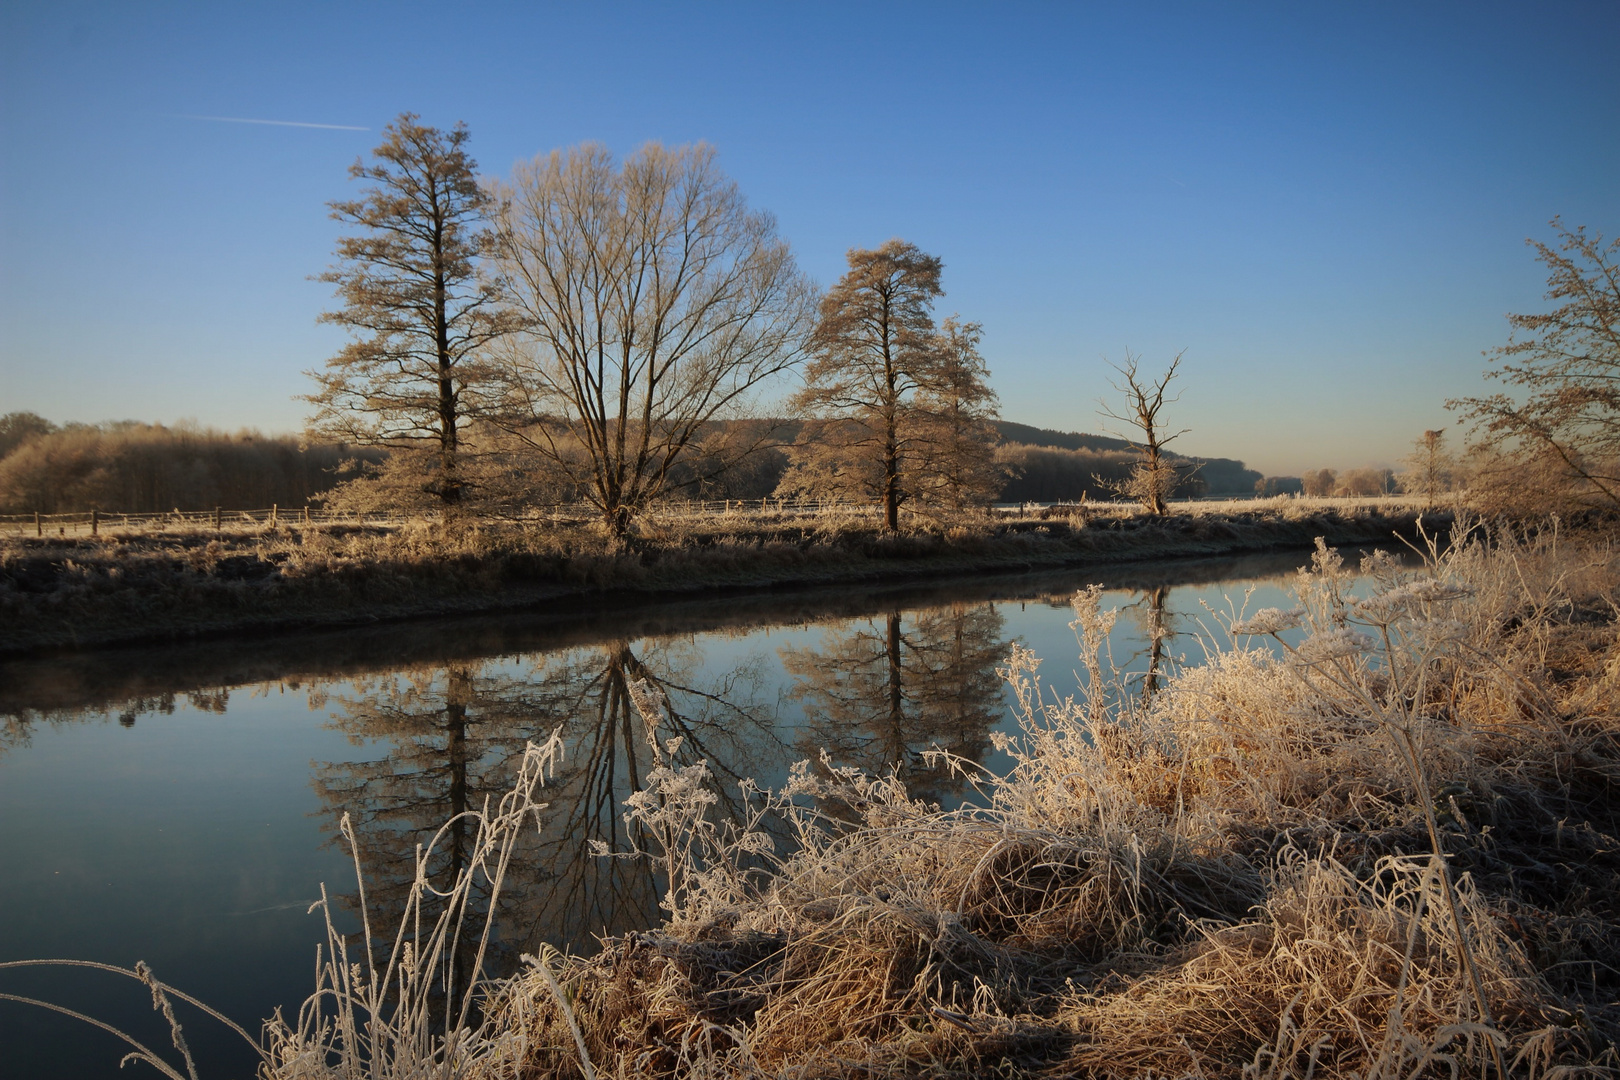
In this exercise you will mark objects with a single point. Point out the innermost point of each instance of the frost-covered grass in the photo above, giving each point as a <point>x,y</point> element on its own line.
<point>132,585</point>
<point>1369,838</point>
<point>1386,848</point>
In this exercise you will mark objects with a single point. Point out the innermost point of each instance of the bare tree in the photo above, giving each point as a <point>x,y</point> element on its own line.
<point>654,303</point>
<point>1566,432</point>
<point>1428,466</point>
<point>412,294</point>
<point>1155,474</point>
<point>874,348</point>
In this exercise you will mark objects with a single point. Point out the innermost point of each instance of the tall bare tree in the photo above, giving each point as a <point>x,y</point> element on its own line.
<point>1562,441</point>
<point>413,296</point>
<point>874,348</point>
<point>654,303</point>
<point>1156,474</point>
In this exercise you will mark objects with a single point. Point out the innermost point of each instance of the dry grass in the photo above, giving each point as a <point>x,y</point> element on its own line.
<point>1238,878</point>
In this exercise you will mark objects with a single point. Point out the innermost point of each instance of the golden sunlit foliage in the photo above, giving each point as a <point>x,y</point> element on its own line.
<point>1557,445</point>
<point>150,468</point>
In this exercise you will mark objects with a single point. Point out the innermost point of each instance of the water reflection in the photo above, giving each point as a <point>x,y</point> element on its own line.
<point>1153,618</point>
<point>878,693</point>
<point>453,737</point>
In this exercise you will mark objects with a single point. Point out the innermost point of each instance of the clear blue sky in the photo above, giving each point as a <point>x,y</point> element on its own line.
<point>1324,205</point>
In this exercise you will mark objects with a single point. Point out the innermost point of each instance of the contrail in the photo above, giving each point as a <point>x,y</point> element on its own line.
<point>274,123</point>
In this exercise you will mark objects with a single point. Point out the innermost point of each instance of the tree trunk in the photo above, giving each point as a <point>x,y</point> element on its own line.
<point>449,443</point>
<point>891,493</point>
<point>1155,465</point>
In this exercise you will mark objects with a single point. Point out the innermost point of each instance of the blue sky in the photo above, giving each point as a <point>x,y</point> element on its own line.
<point>1324,205</point>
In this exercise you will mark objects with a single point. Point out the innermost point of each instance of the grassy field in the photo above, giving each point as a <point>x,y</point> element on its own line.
<point>1369,838</point>
<point>145,583</point>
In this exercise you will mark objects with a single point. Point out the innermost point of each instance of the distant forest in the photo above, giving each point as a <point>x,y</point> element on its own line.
<point>134,467</point>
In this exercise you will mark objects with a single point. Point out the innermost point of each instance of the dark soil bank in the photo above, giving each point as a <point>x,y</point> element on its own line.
<point>58,593</point>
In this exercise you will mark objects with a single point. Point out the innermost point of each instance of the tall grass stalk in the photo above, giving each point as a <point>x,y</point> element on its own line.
<point>1337,654</point>
<point>161,993</point>
<point>373,1015</point>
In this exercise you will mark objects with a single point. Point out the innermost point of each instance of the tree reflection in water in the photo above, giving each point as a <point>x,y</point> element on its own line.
<point>881,693</point>
<point>455,735</point>
<point>1151,614</point>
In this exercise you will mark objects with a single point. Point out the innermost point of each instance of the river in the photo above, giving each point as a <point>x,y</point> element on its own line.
<point>179,804</point>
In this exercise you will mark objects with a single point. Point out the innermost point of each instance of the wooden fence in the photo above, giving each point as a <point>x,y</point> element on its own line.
<point>91,523</point>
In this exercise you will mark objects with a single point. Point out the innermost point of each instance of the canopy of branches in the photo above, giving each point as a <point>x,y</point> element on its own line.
<point>653,302</point>
<point>903,412</point>
<point>1558,442</point>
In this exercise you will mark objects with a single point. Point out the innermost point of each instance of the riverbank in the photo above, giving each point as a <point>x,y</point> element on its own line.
<point>1235,877</point>
<point>122,587</point>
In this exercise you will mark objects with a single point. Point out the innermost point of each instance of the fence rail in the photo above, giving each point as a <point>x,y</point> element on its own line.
<point>93,521</point>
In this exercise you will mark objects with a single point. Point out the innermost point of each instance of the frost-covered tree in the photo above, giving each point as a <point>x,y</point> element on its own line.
<point>420,311</point>
<point>1558,441</point>
<point>900,412</point>
<point>654,303</point>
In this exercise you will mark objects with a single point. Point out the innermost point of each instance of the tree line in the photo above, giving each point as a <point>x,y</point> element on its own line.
<point>604,331</point>
<point>133,467</point>
<point>609,331</point>
<point>151,468</point>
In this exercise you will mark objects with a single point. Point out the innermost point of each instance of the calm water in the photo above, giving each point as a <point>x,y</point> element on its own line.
<point>178,805</point>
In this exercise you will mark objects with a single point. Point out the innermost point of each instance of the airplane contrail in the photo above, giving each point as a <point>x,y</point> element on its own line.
<point>273,123</point>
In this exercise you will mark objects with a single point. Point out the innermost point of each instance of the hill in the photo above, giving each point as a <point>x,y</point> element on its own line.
<point>1220,476</point>
<point>1064,440</point>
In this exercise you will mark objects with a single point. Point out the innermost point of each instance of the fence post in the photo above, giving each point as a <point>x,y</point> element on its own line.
<point>39,527</point>
<point>216,518</point>
<point>95,523</point>
<point>274,515</point>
